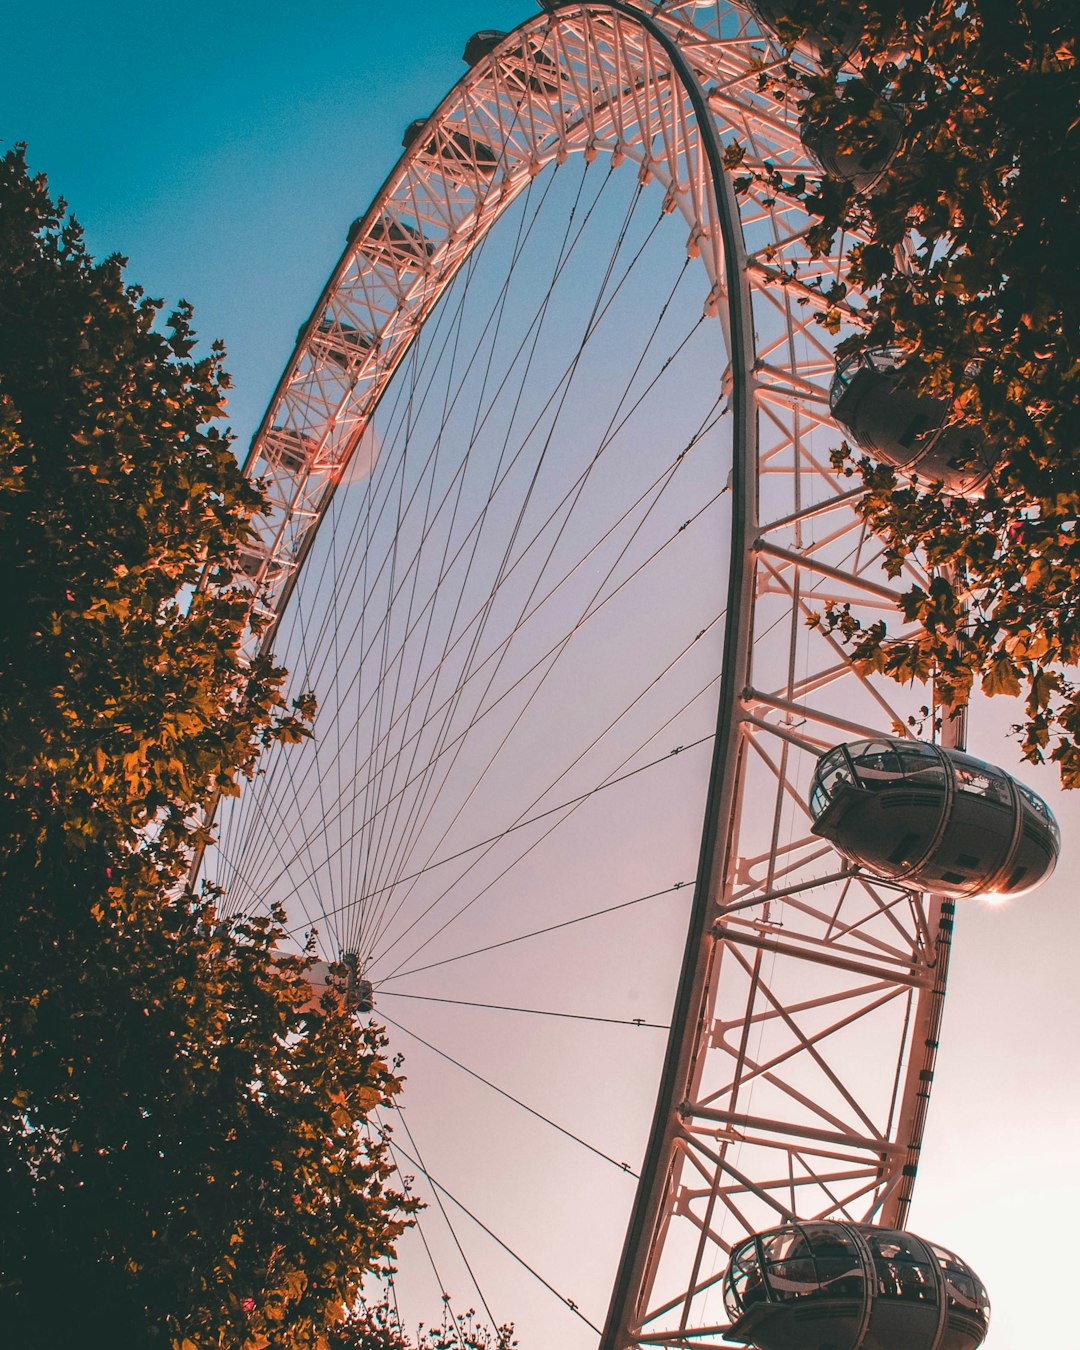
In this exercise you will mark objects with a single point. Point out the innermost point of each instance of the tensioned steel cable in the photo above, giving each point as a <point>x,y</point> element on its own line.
<point>465,797</point>
<point>535,1012</point>
<point>659,481</point>
<point>553,590</point>
<point>606,599</point>
<point>479,631</point>
<point>568,1302</point>
<point>428,383</point>
<point>572,805</point>
<point>536,932</point>
<point>509,1096</point>
<point>562,806</point>
<point>578,488</point>
<point>569,246</point>
<point>697,695</point>
<point>419,1227</point>
<point>401,389</point>
<point>457,1241</point>
<point>392,701</point>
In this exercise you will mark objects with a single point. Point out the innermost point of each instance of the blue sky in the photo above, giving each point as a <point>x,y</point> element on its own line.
<point>225,149</point>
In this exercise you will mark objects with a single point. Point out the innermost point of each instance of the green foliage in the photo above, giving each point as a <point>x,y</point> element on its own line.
<point>968,263</point>
<point>187,1154</point>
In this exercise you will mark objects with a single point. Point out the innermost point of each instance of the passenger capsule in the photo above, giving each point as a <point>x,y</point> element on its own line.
<point>846,1286</point>
<point>343,344</point>
<point>457,150</point>
<point>394,241</point>
<point>255,562</point>
<point>932,818</point>
<point>907,430</point>
<point>288,449</point>
<point>865,165</point>
<point>543,76</point>
<point>481,44</point>
<point>834,38</point>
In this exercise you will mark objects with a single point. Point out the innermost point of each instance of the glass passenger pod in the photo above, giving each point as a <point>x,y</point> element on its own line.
<point>543,75</point>
<point>289,449</point>
<point>851,1287</point>
<point>481,44</point>
<point>344,980</point>
<point>906,430</point>
<point>394,242</point>
<point>462,155</point>
<point>342,343</point>
<point>832,39</point>
<point>935,819</point>
<point>863,166</point>
<point>255,563</point>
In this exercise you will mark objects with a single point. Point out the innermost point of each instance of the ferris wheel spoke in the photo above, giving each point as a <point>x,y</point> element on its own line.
<point>394,1148</point>
<point>537,932</point>
<point>509,1096</point>
<point>536,1012</point>
<point>581,620</point>
<point>562,812</point>
<point>410,831</point>
<point>510,1251</point>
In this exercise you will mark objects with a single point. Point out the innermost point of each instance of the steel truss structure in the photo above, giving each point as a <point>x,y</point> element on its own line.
<point>806,1019</point>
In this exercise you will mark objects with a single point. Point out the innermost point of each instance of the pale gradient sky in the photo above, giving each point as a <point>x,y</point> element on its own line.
<point>225,149</point>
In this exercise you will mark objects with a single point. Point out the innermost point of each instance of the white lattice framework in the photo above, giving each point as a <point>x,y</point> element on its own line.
<point>805,1027</point>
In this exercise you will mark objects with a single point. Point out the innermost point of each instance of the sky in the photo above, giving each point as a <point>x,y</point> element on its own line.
<point>225,150</point>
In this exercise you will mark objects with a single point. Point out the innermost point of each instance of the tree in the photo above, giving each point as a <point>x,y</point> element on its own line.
<point>968,264</point>
<point>189,1151</point>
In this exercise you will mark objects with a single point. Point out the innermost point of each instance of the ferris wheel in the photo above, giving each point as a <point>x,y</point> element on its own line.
<point>551,510</point>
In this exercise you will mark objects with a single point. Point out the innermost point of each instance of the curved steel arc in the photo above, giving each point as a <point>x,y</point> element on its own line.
<point>413,240</point>
<point>688,1015</point>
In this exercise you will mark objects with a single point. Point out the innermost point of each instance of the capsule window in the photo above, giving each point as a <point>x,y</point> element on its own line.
<point>902,1268</point>
<point>921,761</point>
<point>1040,808</point>
<point>745,1285</point>
<point>833,771</point>
<point>886,360</point>
<point>982,781</point>
<point>793,1279</point>
<point>839,1269</point>
<point>962,1290</point>
<point>785,1244</point>
<point>791,1271</point>
<point>877,764</point>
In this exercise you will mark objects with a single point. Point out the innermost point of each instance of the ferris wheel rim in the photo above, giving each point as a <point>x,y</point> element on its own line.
<point>736,624</point>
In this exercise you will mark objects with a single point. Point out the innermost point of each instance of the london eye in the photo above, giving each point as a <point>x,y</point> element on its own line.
<point>589,802</point>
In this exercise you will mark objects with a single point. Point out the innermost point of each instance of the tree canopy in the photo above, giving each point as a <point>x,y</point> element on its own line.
<point>191,1150</point>
<point>965,256</point>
